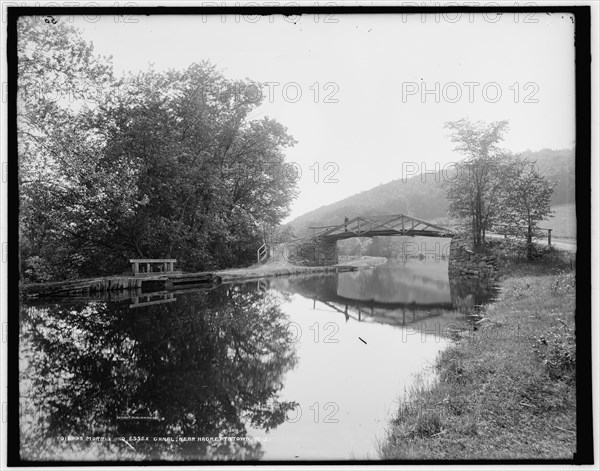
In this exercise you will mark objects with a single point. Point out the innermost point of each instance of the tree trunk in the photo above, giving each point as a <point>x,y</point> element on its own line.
<point>529,242</point>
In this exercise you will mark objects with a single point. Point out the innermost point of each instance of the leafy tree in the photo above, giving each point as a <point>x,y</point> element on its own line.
<point>66,200</point>
<point>281,234</point>
<point>475,190</point>
<point>492,186</point>
<point>527,198</point>
<point>158,164</point>
<point>208,177</point>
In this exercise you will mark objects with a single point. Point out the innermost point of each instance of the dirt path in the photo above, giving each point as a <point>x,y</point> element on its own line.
<point>569,245</point>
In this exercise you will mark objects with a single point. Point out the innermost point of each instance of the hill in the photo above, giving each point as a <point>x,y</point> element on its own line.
<point>557,166</point>
<point>426,199</point>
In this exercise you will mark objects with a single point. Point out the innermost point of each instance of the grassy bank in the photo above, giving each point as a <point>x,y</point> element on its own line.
<point>507,389</point>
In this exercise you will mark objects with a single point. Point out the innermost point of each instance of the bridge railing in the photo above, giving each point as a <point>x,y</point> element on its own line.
<point>262,253</point>
<point>398,223</point>
<point>314,228</point>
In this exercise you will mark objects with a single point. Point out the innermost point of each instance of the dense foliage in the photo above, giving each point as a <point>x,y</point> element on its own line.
<point>477,188</point>
<point>493,188</point>
<point>157,164</point>
<point>527,199</point>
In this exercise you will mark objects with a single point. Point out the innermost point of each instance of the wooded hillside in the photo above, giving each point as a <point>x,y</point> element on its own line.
<point>427,199</point>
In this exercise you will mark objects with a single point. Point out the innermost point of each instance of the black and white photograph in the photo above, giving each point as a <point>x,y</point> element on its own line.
<point>281,234</point>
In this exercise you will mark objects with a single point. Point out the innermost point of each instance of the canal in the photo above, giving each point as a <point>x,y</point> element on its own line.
<point>298,368</point>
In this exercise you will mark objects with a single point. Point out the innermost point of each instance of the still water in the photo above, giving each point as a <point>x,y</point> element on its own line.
<point>298,368</point>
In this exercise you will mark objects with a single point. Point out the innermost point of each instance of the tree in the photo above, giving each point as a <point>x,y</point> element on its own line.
<point>157,164</point>
<point>476,188</point>
<point>209,177</point>
<point>67,202</point>
<point>282,234</point>
<point>492,186</point>
<point>527,199</point>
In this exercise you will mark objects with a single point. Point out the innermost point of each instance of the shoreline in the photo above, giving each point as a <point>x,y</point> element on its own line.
<point>123,283</point>
<point>505,390</point>
<point>282,268</point>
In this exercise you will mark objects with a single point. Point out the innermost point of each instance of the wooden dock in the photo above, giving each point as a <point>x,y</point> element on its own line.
<point>116,283</point>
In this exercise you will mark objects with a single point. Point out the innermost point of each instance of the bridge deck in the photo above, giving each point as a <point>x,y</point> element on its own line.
<point>371,226</point>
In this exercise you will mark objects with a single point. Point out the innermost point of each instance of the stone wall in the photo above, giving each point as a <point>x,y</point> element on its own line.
<point>466,264</point>
<point>314,252</point>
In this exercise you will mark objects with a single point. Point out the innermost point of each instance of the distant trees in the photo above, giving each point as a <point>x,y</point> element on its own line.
<point>282,234</point>
<point>157,164</point>
<point>492,186</point>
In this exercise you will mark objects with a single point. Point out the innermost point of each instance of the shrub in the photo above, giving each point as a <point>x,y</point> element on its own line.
<point>37,270</point>
<point>516,249</point>
<point>563,285</point>
<point>454,370</point>
<point>556,350</point>
<point>52,267</point>
<point>428,424</point>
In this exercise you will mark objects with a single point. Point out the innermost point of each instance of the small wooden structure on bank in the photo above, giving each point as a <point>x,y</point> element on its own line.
<point>163,265</point>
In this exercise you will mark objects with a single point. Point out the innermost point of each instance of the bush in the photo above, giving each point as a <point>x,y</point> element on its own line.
<point>37,270</point>
<point>556,350</point>
<point>454,370</point>
<point>563,285</point>
<point>55,266</point>
<point>516,249</point>
<point>428,424</point>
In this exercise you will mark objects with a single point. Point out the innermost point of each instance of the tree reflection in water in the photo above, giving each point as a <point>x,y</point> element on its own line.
<point>207,365</point>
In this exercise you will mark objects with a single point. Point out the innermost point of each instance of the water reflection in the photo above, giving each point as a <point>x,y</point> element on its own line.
<point>411,281</point>
<point>224,363</point>
<point>470,294</point>
<point>398,292</point>
<point>203,366</point>
<point>151,299</point>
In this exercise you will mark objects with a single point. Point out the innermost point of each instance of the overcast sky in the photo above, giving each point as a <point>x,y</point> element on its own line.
<point>349,87</point>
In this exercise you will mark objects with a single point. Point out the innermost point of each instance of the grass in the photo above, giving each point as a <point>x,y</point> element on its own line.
<point>507,389</point>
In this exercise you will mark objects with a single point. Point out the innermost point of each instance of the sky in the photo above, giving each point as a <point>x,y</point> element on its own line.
<point>367,96</point>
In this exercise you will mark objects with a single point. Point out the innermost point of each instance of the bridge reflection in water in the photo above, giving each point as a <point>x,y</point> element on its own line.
<point>397,293</point>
